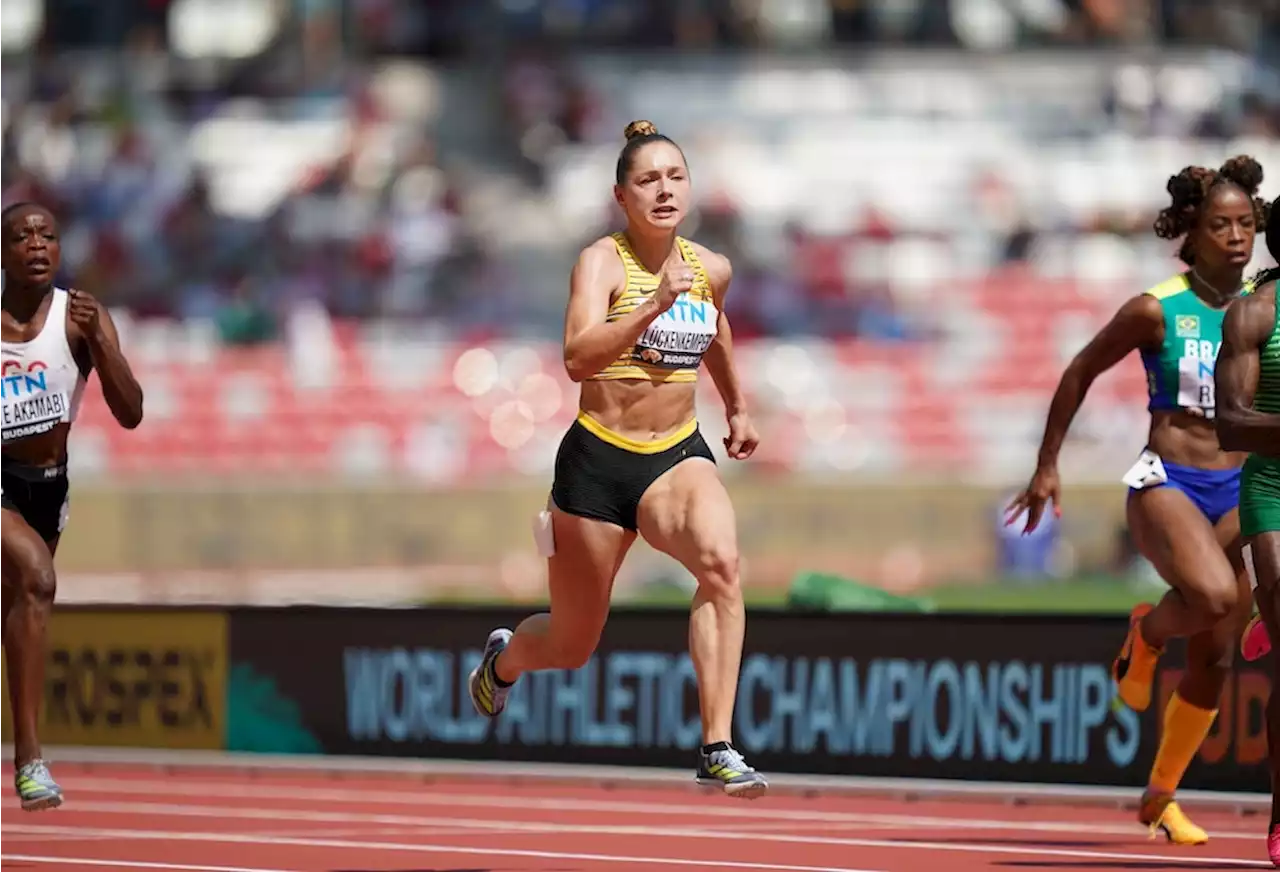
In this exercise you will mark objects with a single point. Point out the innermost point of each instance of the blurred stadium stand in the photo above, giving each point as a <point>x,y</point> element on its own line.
<point>337,234</point>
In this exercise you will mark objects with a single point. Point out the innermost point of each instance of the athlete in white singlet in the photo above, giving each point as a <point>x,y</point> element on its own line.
<point>52,339</point>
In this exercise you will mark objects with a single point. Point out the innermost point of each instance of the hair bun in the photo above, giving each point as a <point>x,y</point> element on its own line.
<point>1244,171</point>
<point>640,128</point>
<point>1273,229</point>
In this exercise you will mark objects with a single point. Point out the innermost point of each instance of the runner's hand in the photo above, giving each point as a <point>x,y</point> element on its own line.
<point>677,279</point>
<point>743,439</point>
<point>84,312</point>
<point>1045,487</point>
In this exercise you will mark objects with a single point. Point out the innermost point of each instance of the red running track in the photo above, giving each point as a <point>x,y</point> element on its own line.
<point>199,821</point>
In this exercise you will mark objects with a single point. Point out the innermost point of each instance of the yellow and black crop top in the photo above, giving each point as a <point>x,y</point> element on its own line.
<point>671,349</point>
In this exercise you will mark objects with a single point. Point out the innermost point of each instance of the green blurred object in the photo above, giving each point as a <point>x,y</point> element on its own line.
<point>821,592</point>
<point>241,322</point>
<point>1085,594</point>
<point>260,718</point>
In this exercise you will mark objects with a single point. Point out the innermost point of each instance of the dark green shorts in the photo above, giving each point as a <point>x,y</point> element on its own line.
<point>1260,496</point>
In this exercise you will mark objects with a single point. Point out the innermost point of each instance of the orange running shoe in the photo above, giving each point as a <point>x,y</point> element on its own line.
<point>1160,814</point>
<point>1134,668</point>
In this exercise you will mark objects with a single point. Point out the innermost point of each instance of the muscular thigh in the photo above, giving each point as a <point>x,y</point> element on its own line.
<point>580,574</point>
<point>1184,547</point>
<point>1228,535</point>
<point>25,558</point>
<point>1216,647</point>
<point>687,514</point>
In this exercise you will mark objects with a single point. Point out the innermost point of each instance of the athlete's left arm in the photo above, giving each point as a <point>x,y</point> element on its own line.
<point>119,387</point>
<point>743,439</point>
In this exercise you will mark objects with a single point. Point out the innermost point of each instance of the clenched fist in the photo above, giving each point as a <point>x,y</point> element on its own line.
<point>743,439</point>
<point>677,278</point>
<point>84,311</point>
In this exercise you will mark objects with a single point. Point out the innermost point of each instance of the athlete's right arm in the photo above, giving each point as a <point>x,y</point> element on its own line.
<point>1138,324</point>
<point>1248,324</point>
<point>590,342</point>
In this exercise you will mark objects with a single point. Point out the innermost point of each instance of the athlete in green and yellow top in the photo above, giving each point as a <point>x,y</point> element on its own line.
<point>1255,426</point>
<point>1248,386</point>
<point>1180,369</point>
<point>1184,488</point>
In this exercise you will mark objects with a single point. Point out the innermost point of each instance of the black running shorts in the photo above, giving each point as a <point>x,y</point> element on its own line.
<point>595,478</point>
<point>38,494</point>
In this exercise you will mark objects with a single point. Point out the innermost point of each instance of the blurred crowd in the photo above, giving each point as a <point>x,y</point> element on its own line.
<point>121,116</point>
<point>439,25</point>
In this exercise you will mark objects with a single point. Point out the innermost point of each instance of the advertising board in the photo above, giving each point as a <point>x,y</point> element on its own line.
<point>938,696</point>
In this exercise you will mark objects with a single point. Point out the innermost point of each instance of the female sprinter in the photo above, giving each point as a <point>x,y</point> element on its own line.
<point>1184,488</point>
<point>646,307</point>
<point>51,340</point>
<point>1248,392</point>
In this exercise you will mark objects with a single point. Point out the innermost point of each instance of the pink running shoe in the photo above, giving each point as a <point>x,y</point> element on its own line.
<point>1273,845</point>
<point>1255,642</point>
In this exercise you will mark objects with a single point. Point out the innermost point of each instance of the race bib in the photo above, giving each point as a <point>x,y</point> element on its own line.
<point>1195,385</point>
<point>34,415</point>
<point>678,337</point>
<point>1147,472</point>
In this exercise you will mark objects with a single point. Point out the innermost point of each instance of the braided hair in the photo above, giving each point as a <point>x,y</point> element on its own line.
<point>1191,190</point>
<point>1271,274</point>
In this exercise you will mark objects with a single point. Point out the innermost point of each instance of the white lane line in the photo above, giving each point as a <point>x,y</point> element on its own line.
<point>256,793</point>
<point>1029,850</point>
<point>135,864</point>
